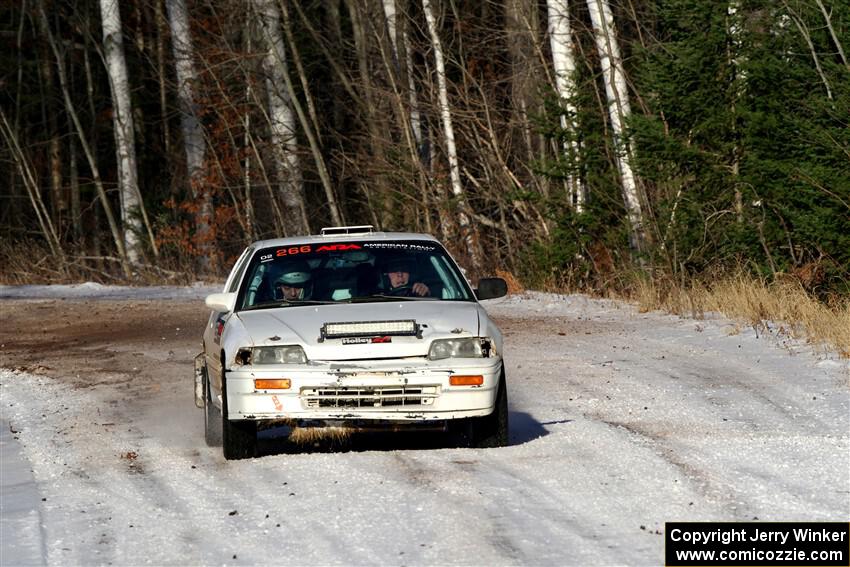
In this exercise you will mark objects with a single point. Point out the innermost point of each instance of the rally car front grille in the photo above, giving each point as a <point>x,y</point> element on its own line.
<point>377,397</point>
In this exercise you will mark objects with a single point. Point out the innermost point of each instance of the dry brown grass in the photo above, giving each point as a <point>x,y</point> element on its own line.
<point>782,304</point>
<point>31,263</point>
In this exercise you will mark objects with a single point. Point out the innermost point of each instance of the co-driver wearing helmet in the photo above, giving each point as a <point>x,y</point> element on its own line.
<point>294,283</point>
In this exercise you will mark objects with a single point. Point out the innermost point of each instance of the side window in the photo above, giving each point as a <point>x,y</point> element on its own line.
<point>451,286</point>
<point>238,270</point>
<point>254,286</point>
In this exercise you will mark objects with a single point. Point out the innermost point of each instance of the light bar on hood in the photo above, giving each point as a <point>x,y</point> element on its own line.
<point>370,329</point>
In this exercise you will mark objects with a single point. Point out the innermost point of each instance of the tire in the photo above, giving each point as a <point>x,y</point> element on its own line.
<point>239,438</point>
<point>212,417</point>
<point>492,430</point>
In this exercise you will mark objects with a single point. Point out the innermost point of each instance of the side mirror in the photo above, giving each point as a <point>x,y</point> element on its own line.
<point>491,288</point>
<point>222,302</point>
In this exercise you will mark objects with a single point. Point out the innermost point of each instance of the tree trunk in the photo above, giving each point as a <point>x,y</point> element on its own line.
<point>281,120</point>
<point>807,37</point>
<point>58,203</point>
<point>161,27</point>
<point>76,210</point>
<point>377,132</point>
<point>406,112</point>
<point>390,17</point>
<point>324,175</point>
<point>734,26</point>
<point>563,61</point>
<point>122,118</point>
<point>250,217</point>
<point>521,25</point>
<point>415,117</point>
<point>193,135</point>
<point>832,34</point>
<point>618,110</point>
<point>467,234</point>
<point>25,170</point>
<point>333,32</point>
<point>69,108</point>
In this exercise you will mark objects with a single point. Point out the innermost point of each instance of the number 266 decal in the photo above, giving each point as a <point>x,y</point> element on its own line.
<point>292,250</point>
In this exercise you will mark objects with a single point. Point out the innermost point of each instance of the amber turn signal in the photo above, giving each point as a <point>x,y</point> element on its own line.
<point>279,384</point>
<point>459,380</point>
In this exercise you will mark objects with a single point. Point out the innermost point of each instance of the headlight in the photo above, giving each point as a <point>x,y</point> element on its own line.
<point>288,354</point>
<point>467,347</point>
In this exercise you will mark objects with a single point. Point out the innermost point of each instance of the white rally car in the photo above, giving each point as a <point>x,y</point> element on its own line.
<point>354,329</point>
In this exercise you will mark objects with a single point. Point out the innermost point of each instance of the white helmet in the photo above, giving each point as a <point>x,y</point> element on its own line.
<point>298,276</point>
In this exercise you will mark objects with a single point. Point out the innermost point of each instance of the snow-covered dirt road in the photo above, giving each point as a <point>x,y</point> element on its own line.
<point>620,421</point>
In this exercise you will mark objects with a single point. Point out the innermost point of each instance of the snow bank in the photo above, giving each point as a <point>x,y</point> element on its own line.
<point>93,290</point>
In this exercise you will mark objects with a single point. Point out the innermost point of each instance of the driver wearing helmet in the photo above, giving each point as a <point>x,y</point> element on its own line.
<point>401,282</point>
<point>295,283</point>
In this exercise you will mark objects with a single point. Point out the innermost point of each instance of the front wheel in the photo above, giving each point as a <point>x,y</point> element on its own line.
<point>239,438</point>
<point>212,417</point>
<point>489,430</point>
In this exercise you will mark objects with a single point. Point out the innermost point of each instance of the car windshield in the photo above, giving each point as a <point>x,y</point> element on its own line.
<point>351,272</point>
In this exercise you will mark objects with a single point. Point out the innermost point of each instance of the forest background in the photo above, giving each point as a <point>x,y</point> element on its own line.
<point>601,145</point>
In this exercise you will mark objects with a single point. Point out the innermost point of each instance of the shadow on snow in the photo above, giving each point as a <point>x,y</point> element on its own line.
<point>523,428</point>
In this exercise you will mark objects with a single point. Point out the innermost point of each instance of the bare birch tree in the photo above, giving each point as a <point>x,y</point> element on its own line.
<point>194,144</point>
<point>521,26</point>
<point>563,61</point>
<point>122,119</point>
<point>807,37</point>
<point>466,229</point>
<point>618,110</point>
<point>115,230</point>
<point>738,79</point>
<point>378,198</point>
<point>832,33</point>
<point>405,65</point>
<point>269,14</point>
<point>161,33</point>
<point>281,120</point>
<point>398,65</point>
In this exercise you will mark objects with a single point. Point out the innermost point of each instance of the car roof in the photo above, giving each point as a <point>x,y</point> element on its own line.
<point>343,237</point>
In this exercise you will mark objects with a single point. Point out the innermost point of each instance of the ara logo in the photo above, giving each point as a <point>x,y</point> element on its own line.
<point>338,247</point>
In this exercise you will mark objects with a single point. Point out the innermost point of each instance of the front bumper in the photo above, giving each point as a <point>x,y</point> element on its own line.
<point>368,390</point>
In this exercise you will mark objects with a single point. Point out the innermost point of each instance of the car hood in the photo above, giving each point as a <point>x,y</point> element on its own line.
<point>303,325</point>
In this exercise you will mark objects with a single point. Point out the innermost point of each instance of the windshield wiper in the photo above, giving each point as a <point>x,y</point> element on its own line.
<point>386,297</point>
<point>289,302</point>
